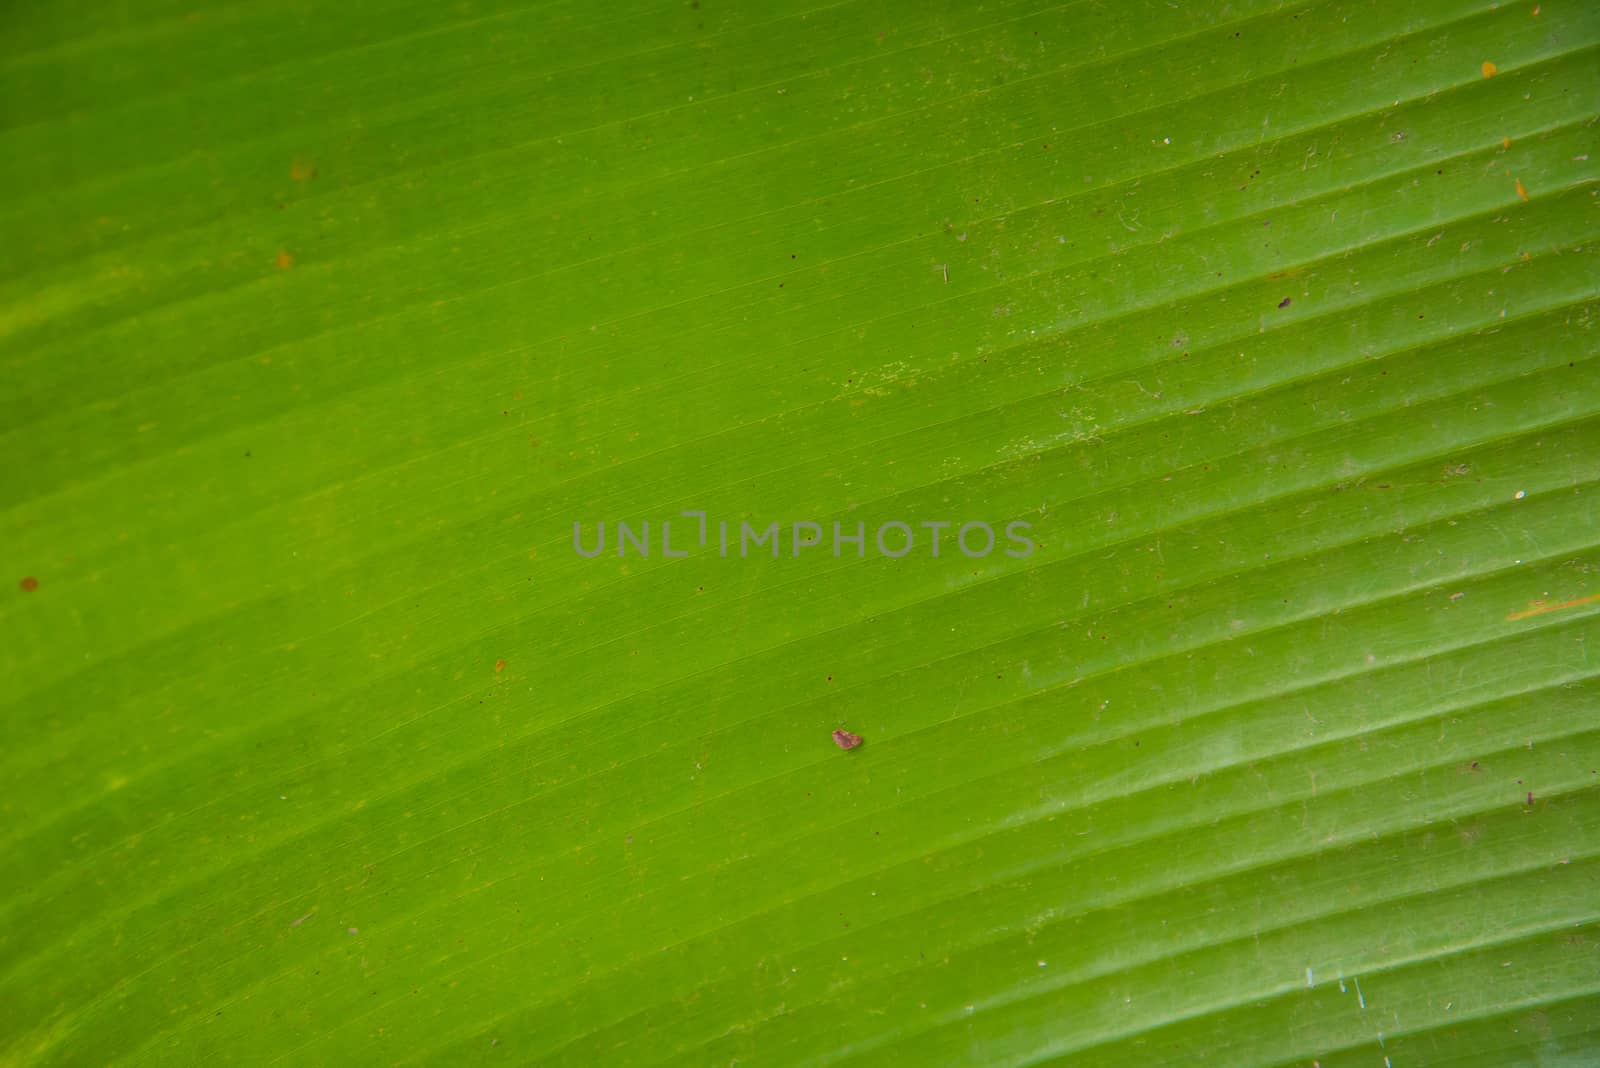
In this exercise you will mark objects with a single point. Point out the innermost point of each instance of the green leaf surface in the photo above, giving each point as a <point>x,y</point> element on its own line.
<point>322,325</point>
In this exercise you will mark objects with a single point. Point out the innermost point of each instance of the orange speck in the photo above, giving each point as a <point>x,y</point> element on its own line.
<point>1527,256</point>
<point>29,584</point>
<point>1489,69</point>
<point>499,666</point>
<point>1540,608</point>
<point>1521,192</point>
<point>284,260</point>
<point>1505,142</point>
<point>302,169</point>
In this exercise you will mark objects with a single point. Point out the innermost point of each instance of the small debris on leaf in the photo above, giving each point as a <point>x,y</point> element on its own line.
<point>845,740</point>
<point>1284,303</point>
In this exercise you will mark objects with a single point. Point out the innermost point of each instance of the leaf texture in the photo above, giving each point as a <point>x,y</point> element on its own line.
<point>322,325</point>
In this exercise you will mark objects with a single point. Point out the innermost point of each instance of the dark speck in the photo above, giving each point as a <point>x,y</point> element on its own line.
<point>1284,303</point>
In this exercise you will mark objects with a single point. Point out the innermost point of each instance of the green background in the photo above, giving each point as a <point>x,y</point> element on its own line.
<point>320,324</point>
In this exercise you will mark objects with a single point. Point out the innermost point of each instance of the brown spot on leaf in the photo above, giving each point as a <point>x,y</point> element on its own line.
<point>29,584</point>
<point>499,666</point>
<point>845,740</point>
<point>302,169</point>
<point>1489,69</point>
<point>284,260</point>
<point>1521,192</point>
<point>1540,607</point>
